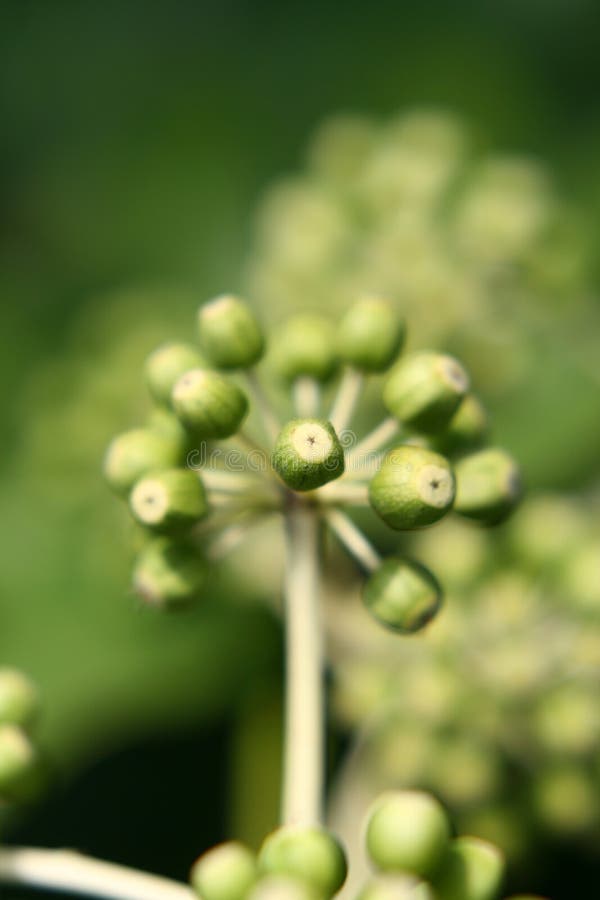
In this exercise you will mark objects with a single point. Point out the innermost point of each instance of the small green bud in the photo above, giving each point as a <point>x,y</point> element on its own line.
<point>281,887</point>
<point>133,453</point>
<point>310,854</point>
<point>488,485</point>
<point>165,422</point>
<point>413,487</point>
<point>209,404</point>
<point>407,831</point>
<point>466,429</point>
<point>424,390</point>
<point>308,454</point>
<point>472,869</point>
<point>230,334</point>
<point>370,335</point>
<point>305,346</point>
<point>168,573</point>
<point>226,872</point>
<point>18,764</point>
<point>170,500</point>
<point>396,887</point>
<point>19,698</point>
<point>165,366</point>
<point>403,596</point>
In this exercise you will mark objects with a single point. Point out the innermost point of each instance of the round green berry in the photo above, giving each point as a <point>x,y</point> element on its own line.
<point>19,698</point>
<point>396,887</point>
<point>209,404</point>
<point>413,487</point>
<point>488,485</point>
<point>402,595</point>
<point>229,332</point>
<point>18,764</point>
<point>308,454</point>
<point>424,390</point>
<point>132,454</point>
<point>466,429</point>
<point>170,500</point>
<point>307,853</point>
<point>305,346</point>
<point>168,573</point>
<point>226,872</point>
<point>472,869</point>
<point>165,366</point>
<point>370,335</point>
<point>407,831</point>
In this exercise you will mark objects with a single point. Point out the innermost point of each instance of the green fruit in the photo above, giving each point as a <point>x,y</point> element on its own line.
<point>396,887</point>
<point>165,366</point>
<point>308,454</point>
<point>19,768</point>
<point>472,869</point>
<point>168,573</point>
<point>370,335</point>
<point>226,872</point>
<point>305,346</point>
<point>466,429</point>
<point>132,454</point>
<point>281,887</point>
<point>307,853</point>
<point>488,485</point>
<point>424,390</point>
<point>169,501</point>
<point>413,487</point>
<point>402,595</point>
<point>208,404</point>
<point>230,334</point>
<point>407,831</point>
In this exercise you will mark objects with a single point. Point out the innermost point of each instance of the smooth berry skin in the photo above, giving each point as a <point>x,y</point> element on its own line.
<point>307,853</point>
<point>413,488</point>
<point>229,333</point>
<point>407,831</point>
<point>488,485</point>
<point>472,869</point>
<point>165,366</point>
<point>225,872</point>
<point>370,335</point>
<point>209,405</point>
<point>19,699</point>
<point>402,595</point>
<point>424,390</point>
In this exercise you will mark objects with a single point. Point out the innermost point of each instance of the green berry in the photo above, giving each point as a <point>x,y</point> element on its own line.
<point>472,869</point>
<point>170,500</point>
<point>309,854</point>
<point>226,872</point>
<point>230,334</point>
<point>18,764</point>
<point>466,429</point>
<point>396,887</point>
<point>132,454</point>
<point>488,485</point>
<point>407,831</point>
<point>308,454</point>
<point>424,390</point>
<point>403,596</point>
<point>413,487</point>
<point>281,887</point>
<point>305,346</point>
<point>209,404</point>
<point>168,573</point>
<point>165,422</point>
<point>19,698</point>
<point>166,365</point>
<point>370,335</point>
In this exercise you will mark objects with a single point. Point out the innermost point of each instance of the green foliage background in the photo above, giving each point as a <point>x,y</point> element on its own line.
<point>137,138</point>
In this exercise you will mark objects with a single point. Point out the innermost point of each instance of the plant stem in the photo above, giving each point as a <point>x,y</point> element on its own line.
<point>307,397</point>
<point>271,423</point>
<point>353,540</point>
<point>302,798</point>
<point>344,491</point>
<point>376,440</point>
<point>346,399</point>
<point>65,870</point>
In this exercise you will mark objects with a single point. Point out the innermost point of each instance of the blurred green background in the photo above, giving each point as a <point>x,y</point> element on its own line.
<point>137,139</point>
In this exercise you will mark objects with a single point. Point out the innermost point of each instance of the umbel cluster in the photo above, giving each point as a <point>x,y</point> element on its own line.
<point>426,458</point>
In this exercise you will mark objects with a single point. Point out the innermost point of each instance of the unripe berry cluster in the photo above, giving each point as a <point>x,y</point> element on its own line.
<point>202,397</point>
<point>20,758</point>
<point>408,840</point>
